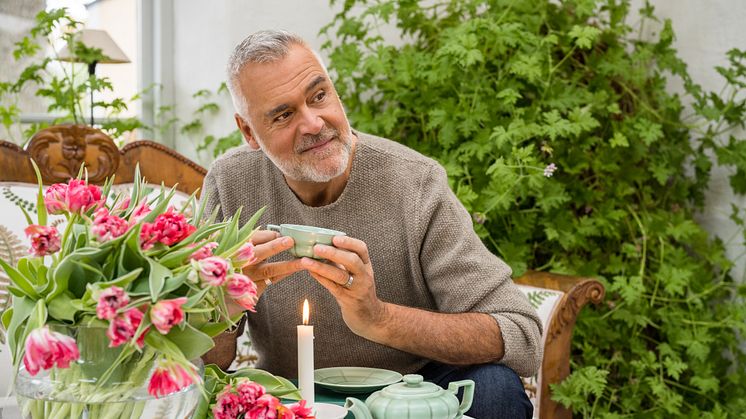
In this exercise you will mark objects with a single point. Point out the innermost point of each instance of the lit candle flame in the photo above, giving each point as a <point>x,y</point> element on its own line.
<point>305,311</point>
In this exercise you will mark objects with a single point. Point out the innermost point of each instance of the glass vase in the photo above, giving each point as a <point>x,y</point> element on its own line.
<point>93,387</point>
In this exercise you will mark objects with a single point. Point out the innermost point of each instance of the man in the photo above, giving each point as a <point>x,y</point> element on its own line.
<point>411,288</point>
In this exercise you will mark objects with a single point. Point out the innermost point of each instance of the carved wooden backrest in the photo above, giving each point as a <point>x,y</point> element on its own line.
<point>557,347</point>
<point>60,150</point>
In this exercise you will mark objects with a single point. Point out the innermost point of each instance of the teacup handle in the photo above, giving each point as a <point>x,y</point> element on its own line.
<point>273,227</point>
<point>466,400</point>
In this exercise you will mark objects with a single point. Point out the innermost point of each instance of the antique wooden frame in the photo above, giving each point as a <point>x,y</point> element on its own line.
<point>60,150</point>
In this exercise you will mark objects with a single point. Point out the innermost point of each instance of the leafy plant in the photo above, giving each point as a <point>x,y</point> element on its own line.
<point>558,133</point>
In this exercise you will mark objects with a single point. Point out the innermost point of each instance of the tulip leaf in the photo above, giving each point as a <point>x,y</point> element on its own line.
<point>19,280</point>
<point>177,258</point>
<point>41,209</point>
<point>163,345</point>
<point>192,342</point>
<point>275,385</point>
<point>200,209</point>
<point>247,230</point>
<point>194,299</point>
<point>123,281</point>
<point>214,329</point>
<point>62,307</point>
<point>174,282</point>
<point>22,308</point>
<point>228,237</point>
<point>156,278</point>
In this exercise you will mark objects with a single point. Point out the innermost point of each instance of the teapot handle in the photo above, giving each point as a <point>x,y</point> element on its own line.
<point>466,400</point>
<point>358,408</point>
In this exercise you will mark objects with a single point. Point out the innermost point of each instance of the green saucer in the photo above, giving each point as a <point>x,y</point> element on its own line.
<point>355,380</point>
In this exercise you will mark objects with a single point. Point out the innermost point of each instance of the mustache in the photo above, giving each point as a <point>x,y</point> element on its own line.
<point>311,140</point>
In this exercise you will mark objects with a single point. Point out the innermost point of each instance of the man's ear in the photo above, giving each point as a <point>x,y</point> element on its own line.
<point>245,129</point>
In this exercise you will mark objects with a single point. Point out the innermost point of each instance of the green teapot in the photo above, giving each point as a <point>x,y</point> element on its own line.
<point>414,399</point>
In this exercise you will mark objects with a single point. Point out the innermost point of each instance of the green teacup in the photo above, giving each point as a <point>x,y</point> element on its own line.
<point>305,237</point>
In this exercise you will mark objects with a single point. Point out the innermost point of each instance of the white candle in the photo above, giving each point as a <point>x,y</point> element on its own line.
<point>305,358</point>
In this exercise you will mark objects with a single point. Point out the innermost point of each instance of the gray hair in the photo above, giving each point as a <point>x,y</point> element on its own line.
<point>264,46</point>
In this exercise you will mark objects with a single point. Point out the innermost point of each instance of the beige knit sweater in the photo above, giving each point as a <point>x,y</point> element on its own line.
<point>422,245</point>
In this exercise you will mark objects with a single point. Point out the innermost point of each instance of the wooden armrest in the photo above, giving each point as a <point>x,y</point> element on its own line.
<point>555,366</point>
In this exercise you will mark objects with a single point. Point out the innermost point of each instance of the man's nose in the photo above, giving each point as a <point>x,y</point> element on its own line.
<point>311,122</point>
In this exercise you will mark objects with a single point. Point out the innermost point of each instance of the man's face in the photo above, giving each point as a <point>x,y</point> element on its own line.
<point>296,117</point>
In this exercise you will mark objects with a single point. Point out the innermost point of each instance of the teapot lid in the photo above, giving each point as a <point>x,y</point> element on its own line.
<point>413,385</point>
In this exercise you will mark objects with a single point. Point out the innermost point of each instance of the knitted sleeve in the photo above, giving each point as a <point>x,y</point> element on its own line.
<point>463,276</point>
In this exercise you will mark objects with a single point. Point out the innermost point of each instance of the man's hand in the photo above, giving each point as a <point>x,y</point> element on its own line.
<point>266,244</point>
<point>349,278</point>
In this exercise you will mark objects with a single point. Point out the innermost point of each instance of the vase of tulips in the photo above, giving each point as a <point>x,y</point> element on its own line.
<point>119,297</point>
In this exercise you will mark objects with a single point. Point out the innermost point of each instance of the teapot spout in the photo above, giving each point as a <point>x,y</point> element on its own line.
<point>358,408</point>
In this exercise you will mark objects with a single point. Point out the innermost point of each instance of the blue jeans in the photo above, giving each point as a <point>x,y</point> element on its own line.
<point>498,391</point>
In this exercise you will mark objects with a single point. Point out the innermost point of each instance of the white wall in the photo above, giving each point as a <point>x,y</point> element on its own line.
<point>705,31</point>
<point>205,35</point>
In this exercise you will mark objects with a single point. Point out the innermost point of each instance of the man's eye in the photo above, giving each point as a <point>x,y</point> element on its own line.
<point>319,96</point>
<point>283,116</point>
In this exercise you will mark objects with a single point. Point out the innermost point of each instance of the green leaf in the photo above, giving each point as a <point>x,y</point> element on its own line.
<point>62,307</point>
<point>22,309</point>
<point>19,280</point>
<point>584,36</point>
<point>41,209</point>
<point>156,278</point>
<point>619,140</point>
<point>192,342</point>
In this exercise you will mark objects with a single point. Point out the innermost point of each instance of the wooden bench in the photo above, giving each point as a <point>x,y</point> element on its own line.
<point>60,150</point>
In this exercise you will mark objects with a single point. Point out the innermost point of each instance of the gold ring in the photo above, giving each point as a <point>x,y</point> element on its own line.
<point>348,284</point>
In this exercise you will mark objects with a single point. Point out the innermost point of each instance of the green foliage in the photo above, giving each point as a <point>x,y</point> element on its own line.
<point>498,91</point>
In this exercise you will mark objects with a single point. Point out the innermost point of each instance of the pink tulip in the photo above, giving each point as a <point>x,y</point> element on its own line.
<point>243,290</point>
<point>168,377</point>
<point>204,251</point>
<point>122,206</point>
<point>123,327</point>
<point>213,270</point>
<point>109,301</point>
<point>106,226</point>
<point>172,227</point>
<point>165,314</point>
<point>227,406</point>
<point>244,256</point>
<point>140,212</point>
<point>82,197</point>
<point>46,349</point>
<point>265,407</point>
<point>44,240</point>
<point>249,392</point>
<point>300,410</point>
<point>148,236</point>
<point>55,198</point>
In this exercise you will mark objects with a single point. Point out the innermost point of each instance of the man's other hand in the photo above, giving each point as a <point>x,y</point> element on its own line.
<point>349,278</point>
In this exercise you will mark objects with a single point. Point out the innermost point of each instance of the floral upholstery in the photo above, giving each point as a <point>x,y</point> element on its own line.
<point>14,245</point>
<point>544,301</point>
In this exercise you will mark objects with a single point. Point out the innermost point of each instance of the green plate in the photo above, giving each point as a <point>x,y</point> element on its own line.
<point>355,380</point>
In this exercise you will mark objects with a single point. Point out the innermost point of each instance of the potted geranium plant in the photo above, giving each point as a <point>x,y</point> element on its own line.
<point>111,313</point>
